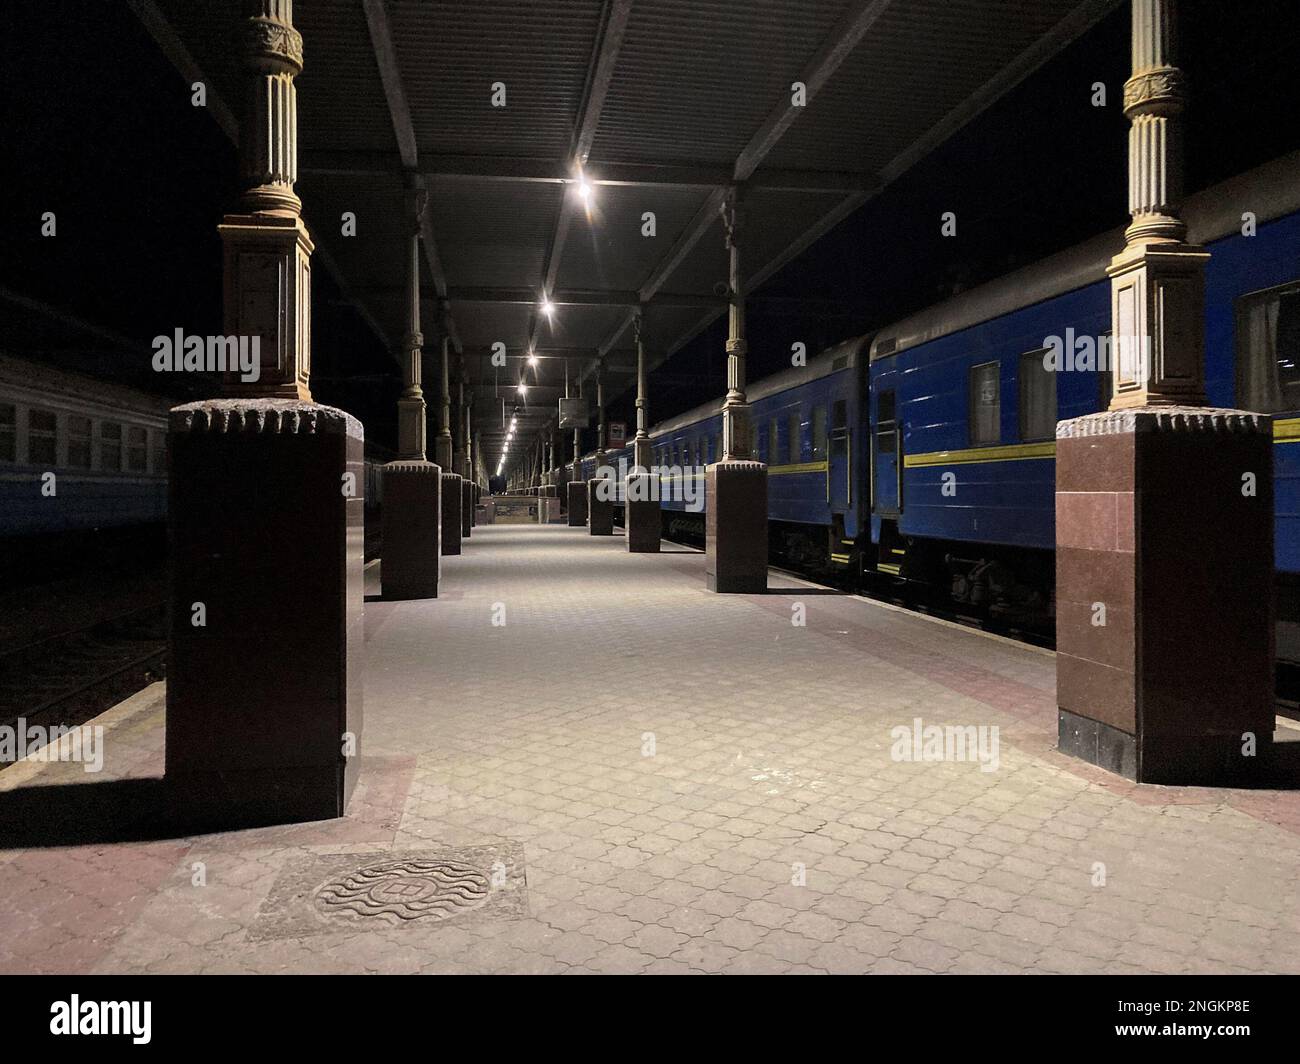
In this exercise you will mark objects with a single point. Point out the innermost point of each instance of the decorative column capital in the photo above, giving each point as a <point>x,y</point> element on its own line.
<point>1162,91</point>
<point>270,46</point>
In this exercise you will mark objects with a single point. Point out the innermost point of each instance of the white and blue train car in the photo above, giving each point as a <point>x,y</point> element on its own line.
<point>77,454</point>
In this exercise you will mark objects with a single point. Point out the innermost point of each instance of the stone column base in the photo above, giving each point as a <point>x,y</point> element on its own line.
<point>451,513</point>
<point>600,511</point>
<point>412,518</point>
<point>642,514</point>
<point>266,520</point>
<point>577,503</point>
<point>466,508</point>
<point>735,527</point>
<point>1164,585</point>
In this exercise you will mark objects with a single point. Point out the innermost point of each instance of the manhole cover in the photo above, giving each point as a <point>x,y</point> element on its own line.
<point>406,890</point>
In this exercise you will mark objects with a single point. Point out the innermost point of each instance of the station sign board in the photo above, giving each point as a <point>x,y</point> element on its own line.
<point>616,433</point>
<point>573,413</point>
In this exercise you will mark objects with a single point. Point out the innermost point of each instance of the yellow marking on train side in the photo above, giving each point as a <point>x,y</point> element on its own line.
<point>798,467</point>
<point>1287,430</point>
<point>1015,452</point>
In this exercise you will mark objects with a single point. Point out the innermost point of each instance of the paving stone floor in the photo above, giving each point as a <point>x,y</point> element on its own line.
<point>633,775</point>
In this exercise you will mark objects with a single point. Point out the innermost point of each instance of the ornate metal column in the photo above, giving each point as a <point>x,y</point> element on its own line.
<point>452,491</point>
<point>267,252</point>
<point>1164,669</point>
<point>442,447</point>
<point>641,442</point>
<point>266,511</point>
<point>1158,281</point>
<point>735,528</point>
<point>465,465</point>
<point>410,406</point>
<point>641,488</point>
<point>413,494</point>
<point>735,408</point>
<point>577,489</point>
<point>600,494</point>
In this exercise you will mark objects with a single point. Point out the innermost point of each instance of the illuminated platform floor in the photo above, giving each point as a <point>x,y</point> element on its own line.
<point>633,775</point>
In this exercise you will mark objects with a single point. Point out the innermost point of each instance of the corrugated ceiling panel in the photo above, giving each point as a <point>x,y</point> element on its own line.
<point>483,324</point>
<point>923,59</point>
<point>696,78</point>
<point>341,103</point>
<point>452,53</point>
<point>493,233</point>
<point>609,251</point>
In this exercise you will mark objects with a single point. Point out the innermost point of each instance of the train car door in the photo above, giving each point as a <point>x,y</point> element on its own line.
<point>888,459</point>
<point>839,461</point>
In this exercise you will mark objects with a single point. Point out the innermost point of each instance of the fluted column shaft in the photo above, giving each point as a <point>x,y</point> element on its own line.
<point>411,428</point>
<point>735,408</point>
<point>1158,280</point>
<point>641,442</point>
<point>271,50</point>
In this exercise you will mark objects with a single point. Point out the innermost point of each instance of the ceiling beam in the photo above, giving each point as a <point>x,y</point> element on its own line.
<point>579,297</point>
<point>383,170</point>
<point>600,72</point>
<point>399,111</point>
<point>837,47</point>
<point>599,76</point>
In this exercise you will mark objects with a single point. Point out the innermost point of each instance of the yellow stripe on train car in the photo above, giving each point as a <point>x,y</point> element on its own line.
<point>1287,430</point>
<point>1016,452</point>
<point>797,467</point>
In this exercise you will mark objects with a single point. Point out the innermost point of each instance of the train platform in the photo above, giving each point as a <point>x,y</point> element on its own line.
<point>576,760</point>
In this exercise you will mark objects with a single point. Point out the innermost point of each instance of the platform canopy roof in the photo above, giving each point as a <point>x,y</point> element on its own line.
<point>658,105</point>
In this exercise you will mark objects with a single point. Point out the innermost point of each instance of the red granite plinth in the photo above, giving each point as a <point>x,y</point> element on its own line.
<point>266,525</point>
<point>600,507</point>
<point>735,527</point>
<point>451,513</point>
<point>577,503</point>
<point>642,514</point>
<point>1164,570</point>
<point>412,520</point>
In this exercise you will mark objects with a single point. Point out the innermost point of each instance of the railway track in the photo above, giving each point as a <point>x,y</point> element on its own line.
<point>72,676</point>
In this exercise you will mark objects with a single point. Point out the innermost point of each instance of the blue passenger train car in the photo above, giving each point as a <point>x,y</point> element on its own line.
<point>926,452</point>
<point>965,396</point>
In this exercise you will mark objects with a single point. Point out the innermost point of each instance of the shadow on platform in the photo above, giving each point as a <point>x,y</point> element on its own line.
<point>110,811</point>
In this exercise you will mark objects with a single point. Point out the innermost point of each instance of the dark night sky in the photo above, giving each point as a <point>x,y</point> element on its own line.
<point>96,131</point>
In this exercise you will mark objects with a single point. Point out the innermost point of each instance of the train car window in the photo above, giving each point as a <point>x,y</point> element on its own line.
<point>1037,397</point>
<point>885,434</point>
<point>841,414</point>
<point>761,445</point>
<point>42,429</point>
<point>985,405</point>
<point>773,443</point>
<point>79,440</point>
<point>1268,346</point>
<point>819,432</point>
<point>796,444</point>
<point>137,449</point>
<point>8,432</point>
<point>110,446</point>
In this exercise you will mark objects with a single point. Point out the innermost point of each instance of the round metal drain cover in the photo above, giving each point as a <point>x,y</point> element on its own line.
<point>406,890</point>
